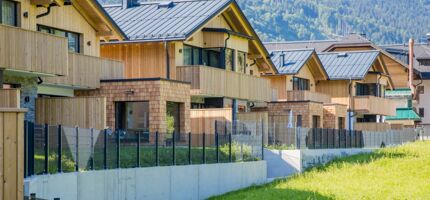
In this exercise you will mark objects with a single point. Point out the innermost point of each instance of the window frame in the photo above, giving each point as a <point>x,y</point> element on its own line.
<point>301,84</point>
<point>193,48</point>
<point>421,112</point>
<point>51,30</point>
<point>16,17</point>
<point>244,60</point>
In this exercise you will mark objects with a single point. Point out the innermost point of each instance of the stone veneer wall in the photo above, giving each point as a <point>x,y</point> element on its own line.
<point>332,112</point>
<point>28,88</point>
<point>156,91</point>
<point>305,108</point>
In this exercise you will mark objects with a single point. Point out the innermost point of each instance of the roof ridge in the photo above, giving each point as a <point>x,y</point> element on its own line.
<point>140,3</point>
<point>293,50</point>
<point>302,41</point>
<point>358,51</point>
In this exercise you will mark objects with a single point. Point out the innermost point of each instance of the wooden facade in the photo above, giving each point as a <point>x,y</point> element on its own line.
<point>203,120</point>
<point>374,105</point>
<point>86,71</point>
<point>209,81</point>
<point>27,51</point>
<point>84,112</point>
<point>304,95</point>
<point>371,126</point>
<point>12,153</point>
<point>9,98</point>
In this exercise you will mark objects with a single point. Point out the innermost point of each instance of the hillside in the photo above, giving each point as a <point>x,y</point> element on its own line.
<point>383,21</point>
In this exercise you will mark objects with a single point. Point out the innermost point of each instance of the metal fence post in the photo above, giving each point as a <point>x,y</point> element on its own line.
<point>189,148</point>
<point>173,148</point>
<point>92,150</point>
<point>118,149</point>
<point>60,147</point>
<point>262,139</point>
<point>138,150</point>
<point>77,149</point>
<point>204,148</point>
<point>217,147</point>
<point>157,158</point>
<point>46,149</point>
<point>30,148</point>
<point>105,149</point>
<point>25,149</point>
<point>230,159</point>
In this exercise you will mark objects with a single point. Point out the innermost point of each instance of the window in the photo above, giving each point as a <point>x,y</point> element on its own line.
<point>425,62</point>
<point>299,121</point>
<point>212,57</point>
<point>192,55</point>
<point>315,121</point>
<point>8,12</point>
<point>420,89</point>
<point>73,38</point>
<point>173,117</point>
<point>421,112</point>
<point>241,62</point>
<point>300,84</point>
<point>132,116</point>
<point>229,60</point>
<point>366,89</point>
<point>341,123</point>
<point>367,118</point>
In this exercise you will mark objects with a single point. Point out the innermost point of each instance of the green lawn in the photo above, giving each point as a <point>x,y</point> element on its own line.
<point>392,173</point>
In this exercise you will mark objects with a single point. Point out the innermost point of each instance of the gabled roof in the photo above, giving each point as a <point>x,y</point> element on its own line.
<point>293,60</point>
<point>150,22</point>
<point>348,65</point>
<point>421,51</point>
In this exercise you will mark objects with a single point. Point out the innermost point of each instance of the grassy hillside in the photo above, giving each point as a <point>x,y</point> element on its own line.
<point>383,21</point>
<point>393,173</point>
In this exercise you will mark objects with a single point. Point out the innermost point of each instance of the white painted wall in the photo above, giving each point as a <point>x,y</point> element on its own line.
<point>283,163</point>
<point>424,103</point>
<point>174,182</point>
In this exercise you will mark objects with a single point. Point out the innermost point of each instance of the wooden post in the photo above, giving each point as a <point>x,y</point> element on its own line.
<point>12,156</point>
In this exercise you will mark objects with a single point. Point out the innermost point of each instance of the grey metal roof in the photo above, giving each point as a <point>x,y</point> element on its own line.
<point>348,65</point>
<point>294,60</point>
<point>149,22</point>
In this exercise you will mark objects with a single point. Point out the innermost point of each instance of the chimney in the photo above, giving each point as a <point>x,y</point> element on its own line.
<point>129,3</point>
<point>411,65</point>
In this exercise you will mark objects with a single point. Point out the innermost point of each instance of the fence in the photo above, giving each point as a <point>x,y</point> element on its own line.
<point>281,136</point>
<point>55,149</point>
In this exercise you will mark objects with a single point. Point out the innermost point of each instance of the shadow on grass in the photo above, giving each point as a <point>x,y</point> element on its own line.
<point>271,192</point>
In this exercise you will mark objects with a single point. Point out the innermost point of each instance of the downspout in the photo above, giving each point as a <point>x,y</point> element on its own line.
<point>380,118</point>
<point>166,48</point>
<point>1,78</point>
<point>235,108</point>
<point>48,10</point>
<point>350,105</point>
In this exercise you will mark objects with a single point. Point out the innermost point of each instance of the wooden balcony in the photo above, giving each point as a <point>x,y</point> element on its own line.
<point>9,98</point>
<point>87,71</point>
<point>32,52</point>
<point>374,105</point>
<point>214,82</point>
<point>305,95</point>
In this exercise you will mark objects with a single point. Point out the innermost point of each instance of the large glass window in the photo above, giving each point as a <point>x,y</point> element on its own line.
<point>8,12</point>
<point>229,60</point>
<point>241,62</point>
<point>301,84</point>
<point>173,117</point>
<point>192,55</point>
<point>366,89</point>
<point>132,116</point>
<point>73,38</point>
<point>212,57</point>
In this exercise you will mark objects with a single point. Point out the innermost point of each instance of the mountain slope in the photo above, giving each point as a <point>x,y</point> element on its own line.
<point>383,21</point>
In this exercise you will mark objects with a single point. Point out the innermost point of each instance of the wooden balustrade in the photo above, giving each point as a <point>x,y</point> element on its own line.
<point>374,105</point>
<point>27,51</point>
<point>305,95</point>
<point>210,81</point>
<point>9,98</point>
<point>87,71</point>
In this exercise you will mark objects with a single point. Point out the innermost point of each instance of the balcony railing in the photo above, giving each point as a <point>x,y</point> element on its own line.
<point>374,105</point>
<point>372,126</point>
<point>304,95</point>
<point>87,71</point>
<point>209,81</point>
<point>9,98</point>
<point>27,51</point>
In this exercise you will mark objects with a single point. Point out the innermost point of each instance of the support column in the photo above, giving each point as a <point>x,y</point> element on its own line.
<point>350,120</point>
<point>234,111</point>
<point>1,78</point>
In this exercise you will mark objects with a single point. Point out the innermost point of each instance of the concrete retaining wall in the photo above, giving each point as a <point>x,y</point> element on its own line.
<point>282,163</point>
<point>175,182</point>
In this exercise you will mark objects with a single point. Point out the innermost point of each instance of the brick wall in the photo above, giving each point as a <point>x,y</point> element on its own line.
<point>332,112</point>
<point>157,92</point>
<point>305,108</point>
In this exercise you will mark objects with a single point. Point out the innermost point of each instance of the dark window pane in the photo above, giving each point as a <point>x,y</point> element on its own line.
<point>229,59</point>
<point>73,42</point>
<point>301,84</point>
<point>8,13</point>
<point>132,116</point>
<point>196,56</point>
<point>241,62</point>
<point>188,55</point>
<point>212,57</point>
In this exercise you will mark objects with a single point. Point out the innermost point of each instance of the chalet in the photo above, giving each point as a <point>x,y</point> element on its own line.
<point>49,49</point>
<point>182,56</point>
<point>294,91</point>
<point>358,79</point>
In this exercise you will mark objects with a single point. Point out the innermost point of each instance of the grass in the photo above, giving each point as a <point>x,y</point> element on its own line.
<point>128,157</point>
<point>392,173</point>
